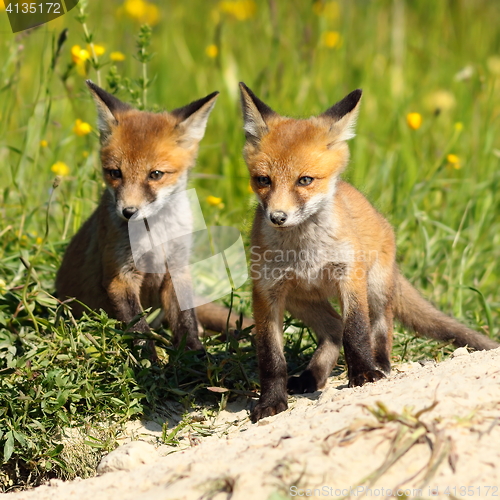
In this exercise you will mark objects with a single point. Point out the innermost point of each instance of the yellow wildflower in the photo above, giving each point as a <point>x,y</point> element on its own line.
<point>214,200</point>
<point>453,161</point>
<point>79,55</point>
<point>212,51</point>
<point>142,11</point>
<point>239,9</point>
<point>117,56</point>
<point>136,9</point>
<point>43,143</point>
<point>81,128</point>
<point>60,168</point>
<point>414,120</point>
<point>459,126</point>
<point>2,5</point>
<point>332,39</point>
<point>3,285</point>
<point>85,154</point>
<point>329,10</point>
<point>98,50</point>
<point>39,240</point>
<point>152,14</point>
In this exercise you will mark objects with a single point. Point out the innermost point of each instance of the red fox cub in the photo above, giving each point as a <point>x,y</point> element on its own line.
<point>145,158</point>
<point>316,237</point>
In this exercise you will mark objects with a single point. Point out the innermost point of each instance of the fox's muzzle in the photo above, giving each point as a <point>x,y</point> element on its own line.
<point>129,211</point>
<point>278,217</point>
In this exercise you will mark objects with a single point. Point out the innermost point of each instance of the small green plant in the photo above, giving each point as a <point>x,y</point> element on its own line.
<point>136,89</point>
<point>88,37</point>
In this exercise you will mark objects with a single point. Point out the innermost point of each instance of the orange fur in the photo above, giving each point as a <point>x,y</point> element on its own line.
<point>145,157</point>
<point>315,237</point>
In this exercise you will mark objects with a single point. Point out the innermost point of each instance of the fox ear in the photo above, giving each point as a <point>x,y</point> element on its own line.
<point>193,119</point>
<point>344,115</point>
<point>255,113</point>
<point>108,109</point>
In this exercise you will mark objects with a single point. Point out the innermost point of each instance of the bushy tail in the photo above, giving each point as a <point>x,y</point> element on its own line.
<point>420,316</point>
<point>214,317</point>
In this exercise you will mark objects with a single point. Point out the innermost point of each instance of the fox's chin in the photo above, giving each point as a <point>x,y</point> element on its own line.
<point>283,227</point>
<point>288,224</point>
<point>144,212</point>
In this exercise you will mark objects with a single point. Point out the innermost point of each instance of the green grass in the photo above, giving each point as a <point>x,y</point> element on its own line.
<point>56,373</point>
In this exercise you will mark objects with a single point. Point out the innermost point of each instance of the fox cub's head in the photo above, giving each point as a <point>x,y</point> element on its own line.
<point>146,156</point>
<point>294,164</point>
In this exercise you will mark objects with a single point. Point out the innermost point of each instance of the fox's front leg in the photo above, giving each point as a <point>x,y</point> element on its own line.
<point>328,326</point>
<point>183,323</point>
<point>358,349</point>
<point>268,316</point>
<point>123,290</point>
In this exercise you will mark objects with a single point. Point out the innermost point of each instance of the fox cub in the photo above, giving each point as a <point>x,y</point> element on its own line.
<point>145,159</point>
<point>316,237</point>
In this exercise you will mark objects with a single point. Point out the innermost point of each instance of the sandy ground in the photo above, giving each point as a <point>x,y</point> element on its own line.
<point>329,444</point>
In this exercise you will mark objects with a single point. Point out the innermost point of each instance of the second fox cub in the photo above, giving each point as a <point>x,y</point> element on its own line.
<point>145,158</point>
<point>316,237</point>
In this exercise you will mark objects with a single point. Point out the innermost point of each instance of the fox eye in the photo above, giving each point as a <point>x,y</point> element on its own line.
<point>116,173</point>
<point>156,175</point>
<point>263,180</point>
<point>305,181</point>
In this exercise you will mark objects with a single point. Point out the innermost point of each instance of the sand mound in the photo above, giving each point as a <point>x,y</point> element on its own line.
<point>428,431</point>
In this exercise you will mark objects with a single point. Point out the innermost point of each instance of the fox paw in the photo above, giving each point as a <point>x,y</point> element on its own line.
<point>304,384</point>
<point>191,343</point>
<point>267,409</point>
<point>194,345</point>
<point>364,377</point>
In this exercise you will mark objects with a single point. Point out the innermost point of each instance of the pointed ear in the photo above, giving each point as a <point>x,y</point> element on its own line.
<point>193,119</point>
<point>255,113</point>
<point>344,115</point>
<point>108,109</point>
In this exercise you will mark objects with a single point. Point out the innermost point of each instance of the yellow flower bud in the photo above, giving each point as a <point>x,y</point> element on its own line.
<point>142,11</point>
<point>117,56</point>
<point>98,49</point>
<point>79,55</point>
<point>82,128</point>
<point>214,200</point>
<point>414,120</point>
<point>453,161</point>
<point>332,39</point>
<point>239,9</point>
<point>60,168</point>
<point>212,51</point>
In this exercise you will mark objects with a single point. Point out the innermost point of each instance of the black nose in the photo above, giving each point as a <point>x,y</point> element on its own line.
<point>128,212</point>
<point>278,218</point>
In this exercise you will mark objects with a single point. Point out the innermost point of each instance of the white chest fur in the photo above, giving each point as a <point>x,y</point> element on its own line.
<point>310,254</point>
